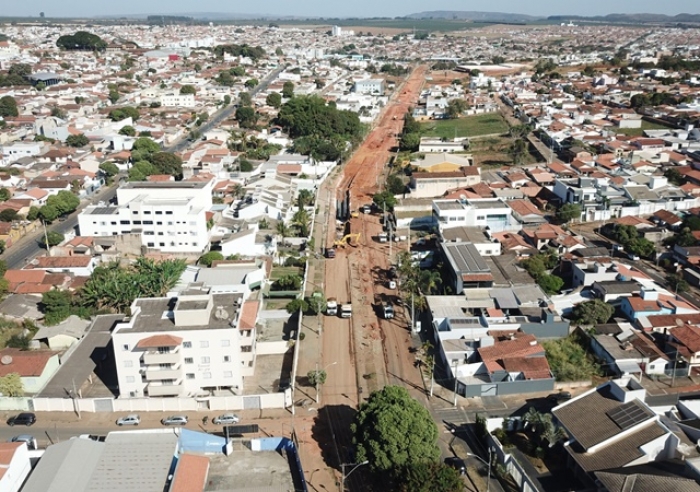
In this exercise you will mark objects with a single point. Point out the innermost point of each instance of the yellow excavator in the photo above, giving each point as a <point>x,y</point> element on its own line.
<point>347,238</point>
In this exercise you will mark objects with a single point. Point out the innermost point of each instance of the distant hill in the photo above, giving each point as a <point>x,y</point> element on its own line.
<point>473,16</point>
<point>632,18</point>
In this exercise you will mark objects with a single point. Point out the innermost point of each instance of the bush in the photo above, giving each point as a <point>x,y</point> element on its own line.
<point>569,360</point>
<point>210,257</point>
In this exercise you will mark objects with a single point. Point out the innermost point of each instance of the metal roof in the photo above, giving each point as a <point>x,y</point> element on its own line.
<point>465,258</point>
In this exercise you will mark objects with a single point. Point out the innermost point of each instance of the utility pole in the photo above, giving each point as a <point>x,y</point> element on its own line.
<point>455,375</point>
<point>432,377</point>
<point>46,238</point>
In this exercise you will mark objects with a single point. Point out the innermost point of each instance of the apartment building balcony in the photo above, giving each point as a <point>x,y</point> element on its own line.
<point>159,374</point>
<point>169,389</point>
<point>156,357</point>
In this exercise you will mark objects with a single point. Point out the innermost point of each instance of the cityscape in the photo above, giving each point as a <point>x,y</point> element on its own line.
<point>443,251</point>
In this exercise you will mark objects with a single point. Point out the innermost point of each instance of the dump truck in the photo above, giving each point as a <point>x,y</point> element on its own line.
<point>346,310</point>
<point>332,307</point>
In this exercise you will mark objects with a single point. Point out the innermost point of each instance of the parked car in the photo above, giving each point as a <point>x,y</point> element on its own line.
<point>633,257</point>
<point>227,418</point>
<point>24,418</point>
<point>559,397</point>
<point>29,439</point>
<point>132,419</point>
<point>175,420</point>
<point>392,284</point>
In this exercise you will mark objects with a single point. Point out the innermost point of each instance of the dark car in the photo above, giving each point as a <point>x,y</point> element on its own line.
<point>559,397</point>
<point>456,463</point>
<point>24,418</point>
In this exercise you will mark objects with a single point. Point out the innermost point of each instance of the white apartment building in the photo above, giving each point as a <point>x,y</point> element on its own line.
<point>169,216</point>
<point>199,344</point>
<point>492,213</point>
<point>176,100</point>
<point>369,86</point>
<point>17,150</point>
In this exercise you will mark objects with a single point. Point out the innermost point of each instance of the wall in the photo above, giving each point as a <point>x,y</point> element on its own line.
<point>509,388</point>
<point>22,404</point>
<point>524,482</point>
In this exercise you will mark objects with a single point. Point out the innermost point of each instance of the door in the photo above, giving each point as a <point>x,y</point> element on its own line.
<point>251,402</point>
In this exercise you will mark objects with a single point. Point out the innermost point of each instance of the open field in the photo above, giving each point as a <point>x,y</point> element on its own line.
<point>638,132</point>
<point>469,126</point>
<point>493,153</point>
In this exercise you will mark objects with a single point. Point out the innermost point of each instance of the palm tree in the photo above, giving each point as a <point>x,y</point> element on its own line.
<point>237,191</point>
<point>302,221</point>
<point>428,281</point>
<point>304,198</point>
<point>282,229</point>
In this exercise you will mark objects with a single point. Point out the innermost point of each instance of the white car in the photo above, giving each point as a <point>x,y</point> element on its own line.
<point>392,284</point>
<point>175,420</point>
<point>227,418</point>
<point>132,419</point>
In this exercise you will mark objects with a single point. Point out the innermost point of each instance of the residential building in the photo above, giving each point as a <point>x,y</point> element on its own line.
<point>494,214</point>
<point>443,163</point>
<point>611,427</point>
<point>369,86</point>
<point>466,268</point>
<point>15,465</point>
<point>169,217</point>
<point>35,367</point>
<point>630,353</point>
<point>438,145</point>
<point>435,184</point>
<point>192,345</point>
<point>176,100</point>
<point>482,240</point>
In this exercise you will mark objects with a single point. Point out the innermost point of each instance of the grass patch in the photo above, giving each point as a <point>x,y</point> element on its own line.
<point>7,330</point>
<point>280,271</point>
<point>277,303</point>
<point>468,126</point>
<point>569,359</point>
<point>492,153</point>
<point>639,132</point>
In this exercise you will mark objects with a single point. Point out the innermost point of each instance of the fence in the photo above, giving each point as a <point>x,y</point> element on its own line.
<point>92,405</point>
<point>524,482</point>
<point>288,447</point>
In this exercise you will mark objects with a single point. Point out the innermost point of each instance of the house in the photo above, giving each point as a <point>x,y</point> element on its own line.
<point>613,290</point>
<point>35,367</point>
<point>15,465</point>
<point>80,266</point>
<point>611,427</point>
<point>526,212</point>
<point>434,184</point>
<point>482,240</point>
<point>443,163</point>
<point>630,352</point>
<point>685,341</point>
<point>438,145</point>
<point>514,243</point>
<point>186,345</point>
<point>466,268</point>
<point>247,243</point>
<point>64,334</point>
<point>233,276</point>
<point>492,213</point>
<point>668,219</point>
<point>369,86</point>
<point>651,302</point>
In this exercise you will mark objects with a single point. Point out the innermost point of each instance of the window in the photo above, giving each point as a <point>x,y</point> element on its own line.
<point>227,358</point>
<point>147,222</point>
<point>168,212</point>
<point>135,212</point>
<point>205,359</point>
<point>163,350</point>
<point>250,363</point>
<point>186,344</point>
<point>150,245</point>
<point>137,222</point>
<point>159,212</point>
<point>170,223</point>
<point>128,363</point>
<point>228,374</point>
<point>125,347</point>
<point>147,212</point>
<point>204,344</point>
<point>132,394</point>
<point>189,375</point>
<point>113,223</point>
<point>162,245</point>
<point>159,222</point>
<point>130,379</point>
<point>225,343</point>
<point>149,233</point>
<point>247,348</point>
<point>189,360</point>
<point>206,375</point>
<point>194,244</point>
<point>480,217</point>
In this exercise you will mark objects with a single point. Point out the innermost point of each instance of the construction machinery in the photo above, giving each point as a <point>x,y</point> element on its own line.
<point>346,240</point>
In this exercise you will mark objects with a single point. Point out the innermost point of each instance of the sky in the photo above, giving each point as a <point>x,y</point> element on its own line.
<point>335,8</point>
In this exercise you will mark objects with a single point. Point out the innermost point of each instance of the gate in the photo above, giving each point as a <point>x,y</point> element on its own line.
<point>104,405</point>
<point>251,403</point>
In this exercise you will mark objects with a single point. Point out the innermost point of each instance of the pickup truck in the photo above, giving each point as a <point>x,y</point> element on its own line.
<point>332,307</point>
<point>346,310</point>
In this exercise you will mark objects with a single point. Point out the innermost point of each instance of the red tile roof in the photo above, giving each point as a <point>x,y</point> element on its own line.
<point>249,315</point>
<point>80,261</point>
<point>29,363</point>
<point>531,367</point>
<point>191,474</point>
<point>689,336</point>
<point>159,341</point>
<point>523,346</point>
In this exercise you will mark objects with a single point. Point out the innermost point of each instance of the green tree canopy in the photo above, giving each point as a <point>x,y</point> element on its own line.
<point>81,40</point>
<point>274,99</point>
<point>551,284</point>
<point>127,130</point>
<point>54,238</point>
<point>48,213</point>
<point>8,107</point>
<point>310,115</point>
<point>392,430</point>
<point>409,142</point>
<point>167,163</point>
<point>5,194</point>
<point>384,198</point>
<point>428,477</point>
<point>288,89</point>
<point>208,258</point>
<point>119,114</point>
<point>395,185</point>
<point>110,169</point>
<point>64,202</point>
<point>8,215</point>
<point>246,117</point>
<point>188,89</point>
<point>593,312</point>
<point>567,212</point>
<point>251,83</point>
<point>79,140</point>
<point>141,170</point>
<point>242,50</point>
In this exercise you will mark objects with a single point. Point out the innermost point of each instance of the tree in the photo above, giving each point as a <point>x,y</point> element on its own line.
<point>48,213</point>
<point>11,385</point>
<point>208,258</point>
<point>677,283</point>
<point>288,89</point>
<point>393,430</point>
<point>456,107</point>
<point>8,215</point>
<point>274,99</point>
<point>317,377</point>
<point>305,198</point>
<point>384,198</point>
<point>79,140</point>
<point>188,89</point>
<point>518,151</point>
<point>141,170</point>
<point>113,96</point>
<point>395,185</point>
<point>246,117</point>
<point>167,163</point>
<point>64,202</point>
<point>288,283</point>
<point>123,113</point>
<point>409,142</point>
<point>127,130</point>
<point>227,100</point>
<point>567,212</point>
<point>109,169</point>
<point>245,165</point>
<point>5,194</point>
<point>8,107</point>
<point>593,312</point>
<point>302,221</point>
<point>245,99</point>
<point>81,40</point>
<point>56,306</point>
<point>428,477</point>
<point>54,238</point>
<point>296,305</point>
<point>551,284</point>
<point>251,83</point>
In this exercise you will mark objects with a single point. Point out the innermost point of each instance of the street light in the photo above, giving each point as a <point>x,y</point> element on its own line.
<point>324,369</point>
<point>356,466</point>
<point>488,478</point>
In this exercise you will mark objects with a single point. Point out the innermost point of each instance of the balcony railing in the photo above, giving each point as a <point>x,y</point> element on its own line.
<point>150,358</point>
<point>165,390</point>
